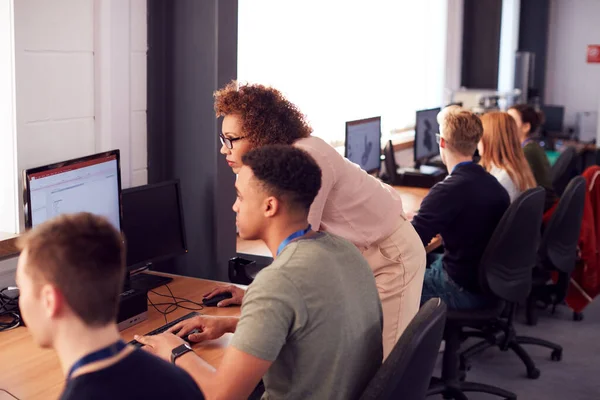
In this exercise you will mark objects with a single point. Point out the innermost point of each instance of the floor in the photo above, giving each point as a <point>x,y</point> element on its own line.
<point>576,377</point>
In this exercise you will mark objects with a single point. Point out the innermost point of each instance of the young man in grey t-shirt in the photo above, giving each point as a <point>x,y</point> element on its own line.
<point>311,322</point>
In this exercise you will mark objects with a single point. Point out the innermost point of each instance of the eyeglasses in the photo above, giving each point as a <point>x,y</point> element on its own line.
<point>438,138</point>
<point>228,142</point>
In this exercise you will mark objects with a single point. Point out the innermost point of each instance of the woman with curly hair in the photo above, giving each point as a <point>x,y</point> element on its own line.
<point>351,203</point>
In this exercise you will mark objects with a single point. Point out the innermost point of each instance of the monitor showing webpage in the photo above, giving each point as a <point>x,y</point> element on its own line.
<point>87,185</point>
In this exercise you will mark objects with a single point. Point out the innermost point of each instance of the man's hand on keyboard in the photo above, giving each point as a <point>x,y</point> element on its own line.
<point>208,327</point>
<point>237,295</point>
<point>160,345</point>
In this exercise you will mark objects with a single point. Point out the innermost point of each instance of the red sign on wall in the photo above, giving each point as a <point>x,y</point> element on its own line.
<point>593,53</point>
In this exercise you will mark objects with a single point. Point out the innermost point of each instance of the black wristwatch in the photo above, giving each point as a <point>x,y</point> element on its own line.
<point>179,351</point>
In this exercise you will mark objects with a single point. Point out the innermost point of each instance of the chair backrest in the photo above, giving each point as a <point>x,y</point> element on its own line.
<point>558,249</point>
<point>564,170</point>
<point>406,372</point>
<point>507,263</point>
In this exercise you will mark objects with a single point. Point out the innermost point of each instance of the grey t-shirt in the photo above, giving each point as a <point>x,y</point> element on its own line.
<point>315,312</point>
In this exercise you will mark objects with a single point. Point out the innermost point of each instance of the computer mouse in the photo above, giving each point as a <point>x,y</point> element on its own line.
<point>213,301</point>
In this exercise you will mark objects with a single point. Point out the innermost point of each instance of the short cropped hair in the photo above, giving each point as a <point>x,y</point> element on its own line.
<point>83,256</point>
<point>267,116</point>
<point>288,173</point>
<point>461,128</point>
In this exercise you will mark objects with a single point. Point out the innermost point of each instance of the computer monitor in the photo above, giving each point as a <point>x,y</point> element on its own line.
<point>426,127</point>
<point>363,143</point>
<point>87,184</point>
<point>553,118</point>
<point>153,224</point>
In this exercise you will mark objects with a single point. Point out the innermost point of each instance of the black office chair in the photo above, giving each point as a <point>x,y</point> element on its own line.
<point>564,170</point>
<point>406,372</point>
<point>504,273</point>
<point>558,250</point>
<point>391,168</point>
<point>243,268</point>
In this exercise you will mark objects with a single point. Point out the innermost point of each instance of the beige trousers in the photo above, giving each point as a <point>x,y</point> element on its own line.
<point>398,263</point>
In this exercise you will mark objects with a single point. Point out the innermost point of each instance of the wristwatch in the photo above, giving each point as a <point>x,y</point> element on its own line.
<point>179,351</point>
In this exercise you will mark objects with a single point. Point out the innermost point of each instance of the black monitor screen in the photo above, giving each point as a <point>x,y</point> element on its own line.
<point>153,223</point>
<point>426,127</point>
<point>363,143</point>
<point>553,118</point>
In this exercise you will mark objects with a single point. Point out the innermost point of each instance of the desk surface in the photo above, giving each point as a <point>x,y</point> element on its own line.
<point>411,201</point>
<point>29,372</point>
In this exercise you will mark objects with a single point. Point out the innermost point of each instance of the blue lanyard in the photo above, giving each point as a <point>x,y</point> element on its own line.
<point>459,164</point>
<point>98,355</point>
<point>293,236</point>
<point>525,142</point>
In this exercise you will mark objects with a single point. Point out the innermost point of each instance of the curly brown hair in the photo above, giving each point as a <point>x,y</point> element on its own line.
<point>267,116</point>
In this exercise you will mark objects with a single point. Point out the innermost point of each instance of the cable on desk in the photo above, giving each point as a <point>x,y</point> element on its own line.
<point>166,311</point>
<point>178,302</point>
<point>8,310</point>
<point>9,393</point>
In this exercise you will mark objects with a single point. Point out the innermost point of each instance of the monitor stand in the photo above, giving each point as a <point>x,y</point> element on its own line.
<point>433,162</point>
<point>423,175</point>
<point>144,281</point>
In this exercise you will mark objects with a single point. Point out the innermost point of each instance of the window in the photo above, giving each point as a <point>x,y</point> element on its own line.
<point>340,61</point>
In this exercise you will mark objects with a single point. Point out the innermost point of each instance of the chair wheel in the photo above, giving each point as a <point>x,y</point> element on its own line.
<point>577,316</point>
<point>556,355</point>
<point>533,373</point>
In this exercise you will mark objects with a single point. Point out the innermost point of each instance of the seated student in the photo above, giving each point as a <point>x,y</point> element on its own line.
<point>464,208</point>
<point>70,275</point>
<point>528,121</point>
<point>502,156</point>
<point>351,203</point>
<point>311,321</point>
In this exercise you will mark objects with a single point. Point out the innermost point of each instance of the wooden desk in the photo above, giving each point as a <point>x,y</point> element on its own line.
<point>411,201</point>
<point>29,372</point>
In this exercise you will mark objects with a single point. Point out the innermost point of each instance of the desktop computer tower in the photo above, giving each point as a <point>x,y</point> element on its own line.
<point>133,308</point>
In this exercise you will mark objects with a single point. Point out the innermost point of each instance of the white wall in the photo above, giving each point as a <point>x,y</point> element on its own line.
<point>509,43</point>
<point>8,159</point>
<point>138,50</point>
<point>61,87</point>
<point>570,81</point>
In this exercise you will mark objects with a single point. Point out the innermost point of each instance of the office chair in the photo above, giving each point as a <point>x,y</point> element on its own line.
<point>505,274</point>
<point>564,170</point>
<point>406,372</point>
<point>243,269</point>
<point>558,250</point>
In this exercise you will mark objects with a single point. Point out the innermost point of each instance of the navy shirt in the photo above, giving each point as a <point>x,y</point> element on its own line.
<point>464,208</point>
<point>139,375</point>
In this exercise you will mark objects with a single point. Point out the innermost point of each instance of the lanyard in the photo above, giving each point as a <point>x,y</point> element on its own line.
<point>525,142</point>
<point>293,236</point>
<point>459,164</point>
<point>99,355</point>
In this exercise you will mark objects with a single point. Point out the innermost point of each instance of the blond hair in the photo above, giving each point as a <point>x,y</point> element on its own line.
<point>501,148</point>
<point>461,128</point>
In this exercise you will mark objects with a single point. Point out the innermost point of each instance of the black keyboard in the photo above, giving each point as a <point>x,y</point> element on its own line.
<point>143,281</point>
<point>165,327</point>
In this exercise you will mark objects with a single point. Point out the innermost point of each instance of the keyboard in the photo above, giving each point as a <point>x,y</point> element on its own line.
<point>146,282</point>
<point>166,327</point>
